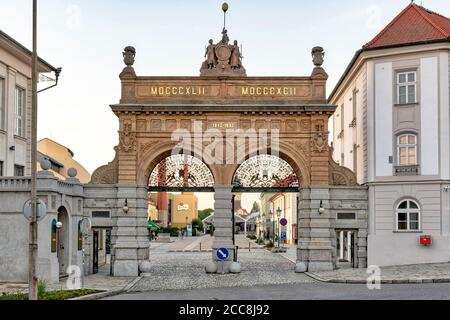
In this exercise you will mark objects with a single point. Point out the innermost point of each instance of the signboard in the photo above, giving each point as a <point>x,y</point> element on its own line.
<point>183,207</point>
<point>189,230</point>
<point>283,222</point>
<point>283,233</point>
<point>222,254</point>
<point>41,210</point>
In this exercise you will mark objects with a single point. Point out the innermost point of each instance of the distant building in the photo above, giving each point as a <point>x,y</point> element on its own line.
<point>61,159</point>
<point>15,106</point>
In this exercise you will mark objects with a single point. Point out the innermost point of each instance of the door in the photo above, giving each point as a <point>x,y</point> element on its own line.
<point>346,249</point>
<point>95,253</point>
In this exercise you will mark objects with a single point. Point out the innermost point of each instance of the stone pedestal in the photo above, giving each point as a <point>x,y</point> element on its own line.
<point>223,225</point>
<point>315,248</point>
<point>130,242</point>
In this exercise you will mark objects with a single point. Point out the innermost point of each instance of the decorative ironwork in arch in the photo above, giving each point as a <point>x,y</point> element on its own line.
<point>181,171</point>
<point>265,172</point>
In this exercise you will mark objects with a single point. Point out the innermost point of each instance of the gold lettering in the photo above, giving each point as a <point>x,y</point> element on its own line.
<point>279,91</point>
<point>244,91</point>
<point>266,91</point>
<point>188,90</point>
<point>154,91</point>
<point>285,91</point>
<point>272,91</point>
<point>252,91</point>
<point>161,91</point>
<point>174,90</point>
<point>181,90</point>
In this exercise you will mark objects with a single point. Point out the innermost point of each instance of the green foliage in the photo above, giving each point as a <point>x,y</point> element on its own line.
<point>197,222</point>
<point>52,295</point>
<point>172,230</point>
<point>202,214</point>
<point>41,288</point>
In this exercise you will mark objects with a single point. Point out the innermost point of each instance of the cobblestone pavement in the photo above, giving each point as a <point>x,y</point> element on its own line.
<point>424,273</point>
<point>185,270</point>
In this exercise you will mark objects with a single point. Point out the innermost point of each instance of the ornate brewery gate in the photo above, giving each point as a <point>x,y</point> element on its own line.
<point>287,115</point>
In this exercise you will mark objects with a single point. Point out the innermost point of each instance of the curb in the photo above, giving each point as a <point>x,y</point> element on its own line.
<point>105,294</point>
<point>386,281</point>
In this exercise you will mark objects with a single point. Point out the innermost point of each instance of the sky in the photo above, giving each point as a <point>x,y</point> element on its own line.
<point>86,38</point>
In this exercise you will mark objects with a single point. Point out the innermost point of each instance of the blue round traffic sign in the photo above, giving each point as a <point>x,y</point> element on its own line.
<point>222,254</point>
<point>283,222</point>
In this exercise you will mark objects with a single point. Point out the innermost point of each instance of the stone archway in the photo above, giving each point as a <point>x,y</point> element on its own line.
<point>216,115</point>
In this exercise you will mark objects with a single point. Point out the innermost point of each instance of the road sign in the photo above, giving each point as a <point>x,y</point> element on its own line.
<point>189,230</point>
<point>41,210</point>
<point>222,254</point>
<point>283,234</point>
<point>283,222</point>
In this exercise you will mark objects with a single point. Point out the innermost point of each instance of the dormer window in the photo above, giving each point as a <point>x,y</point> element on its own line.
<point>406,87</point>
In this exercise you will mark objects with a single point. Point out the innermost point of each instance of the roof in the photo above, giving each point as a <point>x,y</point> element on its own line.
<point>25,51</point>
<point>415,24</point>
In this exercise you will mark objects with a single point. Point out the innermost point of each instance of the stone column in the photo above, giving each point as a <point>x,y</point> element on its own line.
<point>223,230</point>
<point>314,252</point>
<point>131,245</point>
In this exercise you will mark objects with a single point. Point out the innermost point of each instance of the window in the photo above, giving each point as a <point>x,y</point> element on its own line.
<point>80,236</point>
<point>2,104</point>
<point>408,216</point>
<point>19,112</point>
<point>406,87</point>
<point>407,150</point>
<point>19,171</point>
<point>1,168</point>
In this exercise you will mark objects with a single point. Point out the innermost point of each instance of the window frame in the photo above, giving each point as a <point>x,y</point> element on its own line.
<point>406,85</point>
<point>408,212</point>
<point>408,146</point>
<point>21,132</point>
<point>16,167</point>
<point>2,103</point>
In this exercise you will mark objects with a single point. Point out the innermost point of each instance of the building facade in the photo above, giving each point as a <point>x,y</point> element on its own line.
<point>15,106</point>
<point>391,127</point>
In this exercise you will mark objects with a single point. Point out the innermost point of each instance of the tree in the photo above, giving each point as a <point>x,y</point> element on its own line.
<point>255,207</point>
<point>197,224</point>
<point>202,214</point>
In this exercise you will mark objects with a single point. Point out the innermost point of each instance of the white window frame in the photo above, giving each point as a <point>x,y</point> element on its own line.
<point>19,118</point>
<point>408,212</point>
<point>2,104</point>
<point>407,146</point>
<point>406,85</point>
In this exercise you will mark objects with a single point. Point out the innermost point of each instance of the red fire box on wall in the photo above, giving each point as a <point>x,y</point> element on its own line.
<point>426,240</point>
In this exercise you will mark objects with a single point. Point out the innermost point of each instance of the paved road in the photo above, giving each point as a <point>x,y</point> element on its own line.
<point>301,291</point>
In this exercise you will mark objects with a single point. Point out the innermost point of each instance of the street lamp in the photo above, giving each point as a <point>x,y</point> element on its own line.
<point>321,208</point>
<point>278,226</point>
<point>125,207</point>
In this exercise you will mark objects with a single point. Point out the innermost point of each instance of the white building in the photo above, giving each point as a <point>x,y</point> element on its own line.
<point>392,128</point>
<point>15,106</point>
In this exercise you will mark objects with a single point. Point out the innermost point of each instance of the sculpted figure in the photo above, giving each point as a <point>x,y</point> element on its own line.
<point>225,38</point>
<point>236,56</point>
<point>210,55</point>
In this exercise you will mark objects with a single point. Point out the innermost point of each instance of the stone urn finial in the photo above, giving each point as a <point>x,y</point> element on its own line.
<point>129,53</point>
<point>318,55</point>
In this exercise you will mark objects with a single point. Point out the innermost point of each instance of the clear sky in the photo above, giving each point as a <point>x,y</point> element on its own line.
<point>86,38</point>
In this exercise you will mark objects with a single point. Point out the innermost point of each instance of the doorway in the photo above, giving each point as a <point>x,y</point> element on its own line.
<point>62,234</point>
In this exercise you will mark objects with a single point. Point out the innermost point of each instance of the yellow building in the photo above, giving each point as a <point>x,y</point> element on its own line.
<point>152,209</point>
<point>184,209</point>
<point>61,159</point>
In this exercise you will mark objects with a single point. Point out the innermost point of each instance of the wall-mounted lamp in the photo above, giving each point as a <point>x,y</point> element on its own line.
<point>12,148</point>
<point>125,207</point>
<point>321,208</point>
<point>59,225</point>
<point>447,188</point>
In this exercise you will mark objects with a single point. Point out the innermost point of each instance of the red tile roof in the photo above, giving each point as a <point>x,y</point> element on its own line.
<point>414,24</point>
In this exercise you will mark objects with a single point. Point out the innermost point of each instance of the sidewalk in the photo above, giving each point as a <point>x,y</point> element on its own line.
<point>424,273</point>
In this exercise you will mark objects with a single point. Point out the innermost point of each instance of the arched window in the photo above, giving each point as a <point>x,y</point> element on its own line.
<point>80,236</point>
<point>407,150</point>
<point>53,236</point>
<point>408,216</point>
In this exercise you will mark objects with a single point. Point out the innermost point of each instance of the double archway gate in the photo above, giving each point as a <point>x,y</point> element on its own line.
<point>224,122</point>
